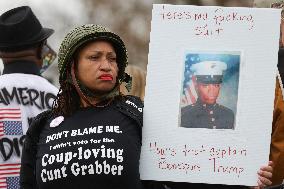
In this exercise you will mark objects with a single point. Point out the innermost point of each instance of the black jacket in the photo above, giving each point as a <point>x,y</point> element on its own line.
<point>130,106</point>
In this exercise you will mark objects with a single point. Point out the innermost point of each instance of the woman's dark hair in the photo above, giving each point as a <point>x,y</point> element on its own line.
<point>67,100</point>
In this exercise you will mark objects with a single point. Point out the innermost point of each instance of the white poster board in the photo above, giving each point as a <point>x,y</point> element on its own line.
<point>246,39</point>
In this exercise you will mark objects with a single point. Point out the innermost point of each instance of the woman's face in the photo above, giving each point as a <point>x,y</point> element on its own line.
<point>97,66</point>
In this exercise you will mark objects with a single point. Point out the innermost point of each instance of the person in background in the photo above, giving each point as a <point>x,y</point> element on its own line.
<point>23,92</point>
<point>277,134</point>
<point>138,82</point>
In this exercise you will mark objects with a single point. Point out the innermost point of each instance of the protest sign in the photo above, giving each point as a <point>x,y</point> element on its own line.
<point>199,55</point>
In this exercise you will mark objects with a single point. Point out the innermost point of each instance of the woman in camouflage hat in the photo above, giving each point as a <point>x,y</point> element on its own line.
<point>92,136</point>
<point>68,62</point>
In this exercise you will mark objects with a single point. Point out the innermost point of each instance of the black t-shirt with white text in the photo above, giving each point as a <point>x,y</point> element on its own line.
<point>96,148</point>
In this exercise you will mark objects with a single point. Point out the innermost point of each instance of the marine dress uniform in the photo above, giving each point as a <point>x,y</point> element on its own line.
<point>209,116</point>
<point>201,114</point>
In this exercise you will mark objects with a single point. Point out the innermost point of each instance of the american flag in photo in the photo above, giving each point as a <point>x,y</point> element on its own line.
<point>10,121</point>
<point>10,176</point>
<point>189,95</point>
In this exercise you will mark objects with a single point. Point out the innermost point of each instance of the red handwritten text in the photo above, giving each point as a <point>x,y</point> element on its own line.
<point>226,152</point>
<point>222,17</point>
<point>193,152</point>
<point>217,168</point>
<point>162,152</point>
<point>176,15</point>
<point>179,166</point>
<point>208,23</point>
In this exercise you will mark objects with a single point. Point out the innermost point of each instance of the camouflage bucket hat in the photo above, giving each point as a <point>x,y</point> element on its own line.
<point>86,33</point>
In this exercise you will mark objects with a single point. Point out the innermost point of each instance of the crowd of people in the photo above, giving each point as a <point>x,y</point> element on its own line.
<point>52,135</point>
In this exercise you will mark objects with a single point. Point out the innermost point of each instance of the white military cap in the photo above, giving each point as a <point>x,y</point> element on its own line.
<point>209,71</point>
<point>208,68</point>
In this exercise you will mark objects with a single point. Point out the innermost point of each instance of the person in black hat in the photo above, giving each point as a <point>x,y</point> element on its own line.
<point>206,113</point>
<point>23,92</point>
<point>22,37</point>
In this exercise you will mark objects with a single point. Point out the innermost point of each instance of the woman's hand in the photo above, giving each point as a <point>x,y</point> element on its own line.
<point>264,176</point>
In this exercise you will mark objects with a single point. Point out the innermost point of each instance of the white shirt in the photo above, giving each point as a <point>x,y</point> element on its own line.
<point>22,97</point>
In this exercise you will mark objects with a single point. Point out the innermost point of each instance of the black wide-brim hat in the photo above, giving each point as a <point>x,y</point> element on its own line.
<point>20,28</point>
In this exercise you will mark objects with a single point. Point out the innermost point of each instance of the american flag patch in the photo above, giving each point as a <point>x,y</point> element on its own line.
<point>10,176</point>
<point>10,121</point>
